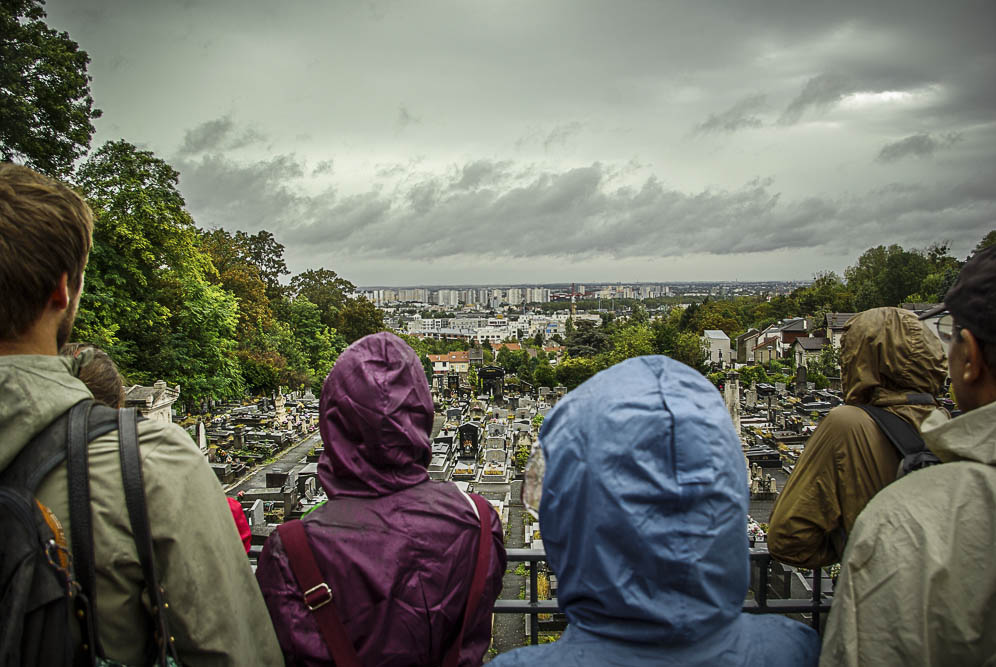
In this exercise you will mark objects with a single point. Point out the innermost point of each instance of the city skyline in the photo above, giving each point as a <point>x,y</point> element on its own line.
<point>449,143</point>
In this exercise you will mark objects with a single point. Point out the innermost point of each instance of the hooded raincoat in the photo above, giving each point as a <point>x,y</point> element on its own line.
<point>644,519</point>
<point>397,549</point>
<point>886,355</point>
<point>917,583</point>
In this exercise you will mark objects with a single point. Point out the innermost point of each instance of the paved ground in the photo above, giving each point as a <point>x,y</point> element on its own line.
<point>510,629</point>
<point>285,463</point>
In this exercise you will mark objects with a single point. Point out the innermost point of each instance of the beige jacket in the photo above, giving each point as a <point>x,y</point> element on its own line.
<point>216,611</point>
<point>886,355</point>
<point>918,580</point>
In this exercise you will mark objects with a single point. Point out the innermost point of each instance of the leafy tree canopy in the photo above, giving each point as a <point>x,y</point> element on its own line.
<point>45,102</point>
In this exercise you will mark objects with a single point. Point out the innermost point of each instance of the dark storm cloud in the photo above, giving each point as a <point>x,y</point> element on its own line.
<point>584,213</point>
<point>461,132</point>
<point>917,145</point>
<point>738,117</point>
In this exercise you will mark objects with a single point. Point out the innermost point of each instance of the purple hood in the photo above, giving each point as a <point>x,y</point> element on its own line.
<point>375,420</point>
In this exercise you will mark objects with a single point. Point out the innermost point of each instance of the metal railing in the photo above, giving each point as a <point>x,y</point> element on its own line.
<point>762,603</point>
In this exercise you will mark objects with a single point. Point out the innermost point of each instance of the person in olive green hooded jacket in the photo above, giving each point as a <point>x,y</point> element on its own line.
<point>216,612</point>
<point>890,360</point>
<point>918,584</point>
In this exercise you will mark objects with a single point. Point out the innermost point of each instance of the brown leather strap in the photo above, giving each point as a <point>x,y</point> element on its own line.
<point>317,594</point>
<point>480,577</point>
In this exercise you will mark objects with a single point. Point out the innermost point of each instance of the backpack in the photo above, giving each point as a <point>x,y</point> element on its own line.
<point>905,437</point>
<point>40,582</point>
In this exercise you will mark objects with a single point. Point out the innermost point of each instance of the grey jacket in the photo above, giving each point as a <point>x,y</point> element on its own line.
<point>918,583</point>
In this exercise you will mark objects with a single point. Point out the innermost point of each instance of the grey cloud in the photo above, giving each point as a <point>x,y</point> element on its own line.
<point>323,167</point>
<point>583,213</point>
<point>217,134</point>
<point>820,92</point>
<point>406,118</point>
<point>740,116</point>
<point>560,134</point>
<point>918,145</point>
<point>479,173</point>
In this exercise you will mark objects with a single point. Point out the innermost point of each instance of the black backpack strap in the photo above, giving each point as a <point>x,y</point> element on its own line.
<point>905,437</point>
<point>134,488</point>
<point>80,520</point>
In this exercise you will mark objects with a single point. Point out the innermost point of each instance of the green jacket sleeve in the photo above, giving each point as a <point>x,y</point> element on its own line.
<point>807,512</point>
<point>216,611</point>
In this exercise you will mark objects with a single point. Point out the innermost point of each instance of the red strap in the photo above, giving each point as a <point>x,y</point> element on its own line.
<point>317,594</point>
<point>480,577</point>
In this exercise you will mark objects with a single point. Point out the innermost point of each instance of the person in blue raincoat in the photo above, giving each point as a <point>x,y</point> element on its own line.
<point>643,515</point>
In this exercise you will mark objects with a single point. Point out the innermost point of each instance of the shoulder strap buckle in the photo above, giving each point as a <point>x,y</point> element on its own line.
<point>318,596</point>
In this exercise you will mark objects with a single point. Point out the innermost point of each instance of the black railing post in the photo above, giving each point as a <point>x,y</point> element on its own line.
<point>817,596</point>
<point>533,599</point>
<point>762,584</point>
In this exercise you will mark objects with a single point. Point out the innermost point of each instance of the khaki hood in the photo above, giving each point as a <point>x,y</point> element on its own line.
<point>886,354</point>
<point>34,390</point>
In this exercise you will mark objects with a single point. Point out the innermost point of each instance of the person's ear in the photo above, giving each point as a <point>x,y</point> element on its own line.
<point>60,298</point>
<point>971,369</point>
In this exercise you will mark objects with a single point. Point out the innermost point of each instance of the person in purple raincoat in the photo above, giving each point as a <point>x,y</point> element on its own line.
<point>397,549</point>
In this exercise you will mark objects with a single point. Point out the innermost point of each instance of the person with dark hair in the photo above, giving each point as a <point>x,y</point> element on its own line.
<point>398,554</point>
<point>213,609</point>
<point>891,362</point>
<point>917,583</point>
<point>643,512</point>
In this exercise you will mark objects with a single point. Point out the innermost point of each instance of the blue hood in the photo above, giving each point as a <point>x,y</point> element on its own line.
<point>644,505</point>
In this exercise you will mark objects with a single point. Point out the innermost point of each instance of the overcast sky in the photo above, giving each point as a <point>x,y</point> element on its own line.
<point>506,142</point>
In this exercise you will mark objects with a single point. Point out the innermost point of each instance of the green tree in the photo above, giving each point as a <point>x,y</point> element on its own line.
<point>45,102</point>
<point>573,371</point>
<point>359,317</point>
<point>326,289</point>
<point>987,241</point>
<point>147,278</point>
<point>689,350</point>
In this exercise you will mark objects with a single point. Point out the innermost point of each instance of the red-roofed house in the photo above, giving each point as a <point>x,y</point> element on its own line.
<point>451,361</point>
<point>511,347</point>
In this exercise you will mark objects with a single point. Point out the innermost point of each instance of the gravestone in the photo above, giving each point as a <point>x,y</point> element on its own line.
<point>202,443</point>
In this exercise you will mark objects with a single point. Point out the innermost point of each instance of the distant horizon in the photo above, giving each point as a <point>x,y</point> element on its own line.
<point>551,285</point>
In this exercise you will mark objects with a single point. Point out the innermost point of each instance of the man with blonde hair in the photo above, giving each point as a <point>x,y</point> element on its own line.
<point>214,611</point>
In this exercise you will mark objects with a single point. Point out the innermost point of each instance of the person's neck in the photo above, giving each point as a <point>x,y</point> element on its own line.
<point>38,339</point>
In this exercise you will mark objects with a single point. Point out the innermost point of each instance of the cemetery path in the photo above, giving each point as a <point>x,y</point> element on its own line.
<point>509,630</point>
<point>291,459</point>
<point>285,463</point>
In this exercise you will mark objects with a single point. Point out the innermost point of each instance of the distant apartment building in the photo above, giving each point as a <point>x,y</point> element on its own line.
<point>513,296</point>
<point>448,297</point>
<point>537,295</point>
